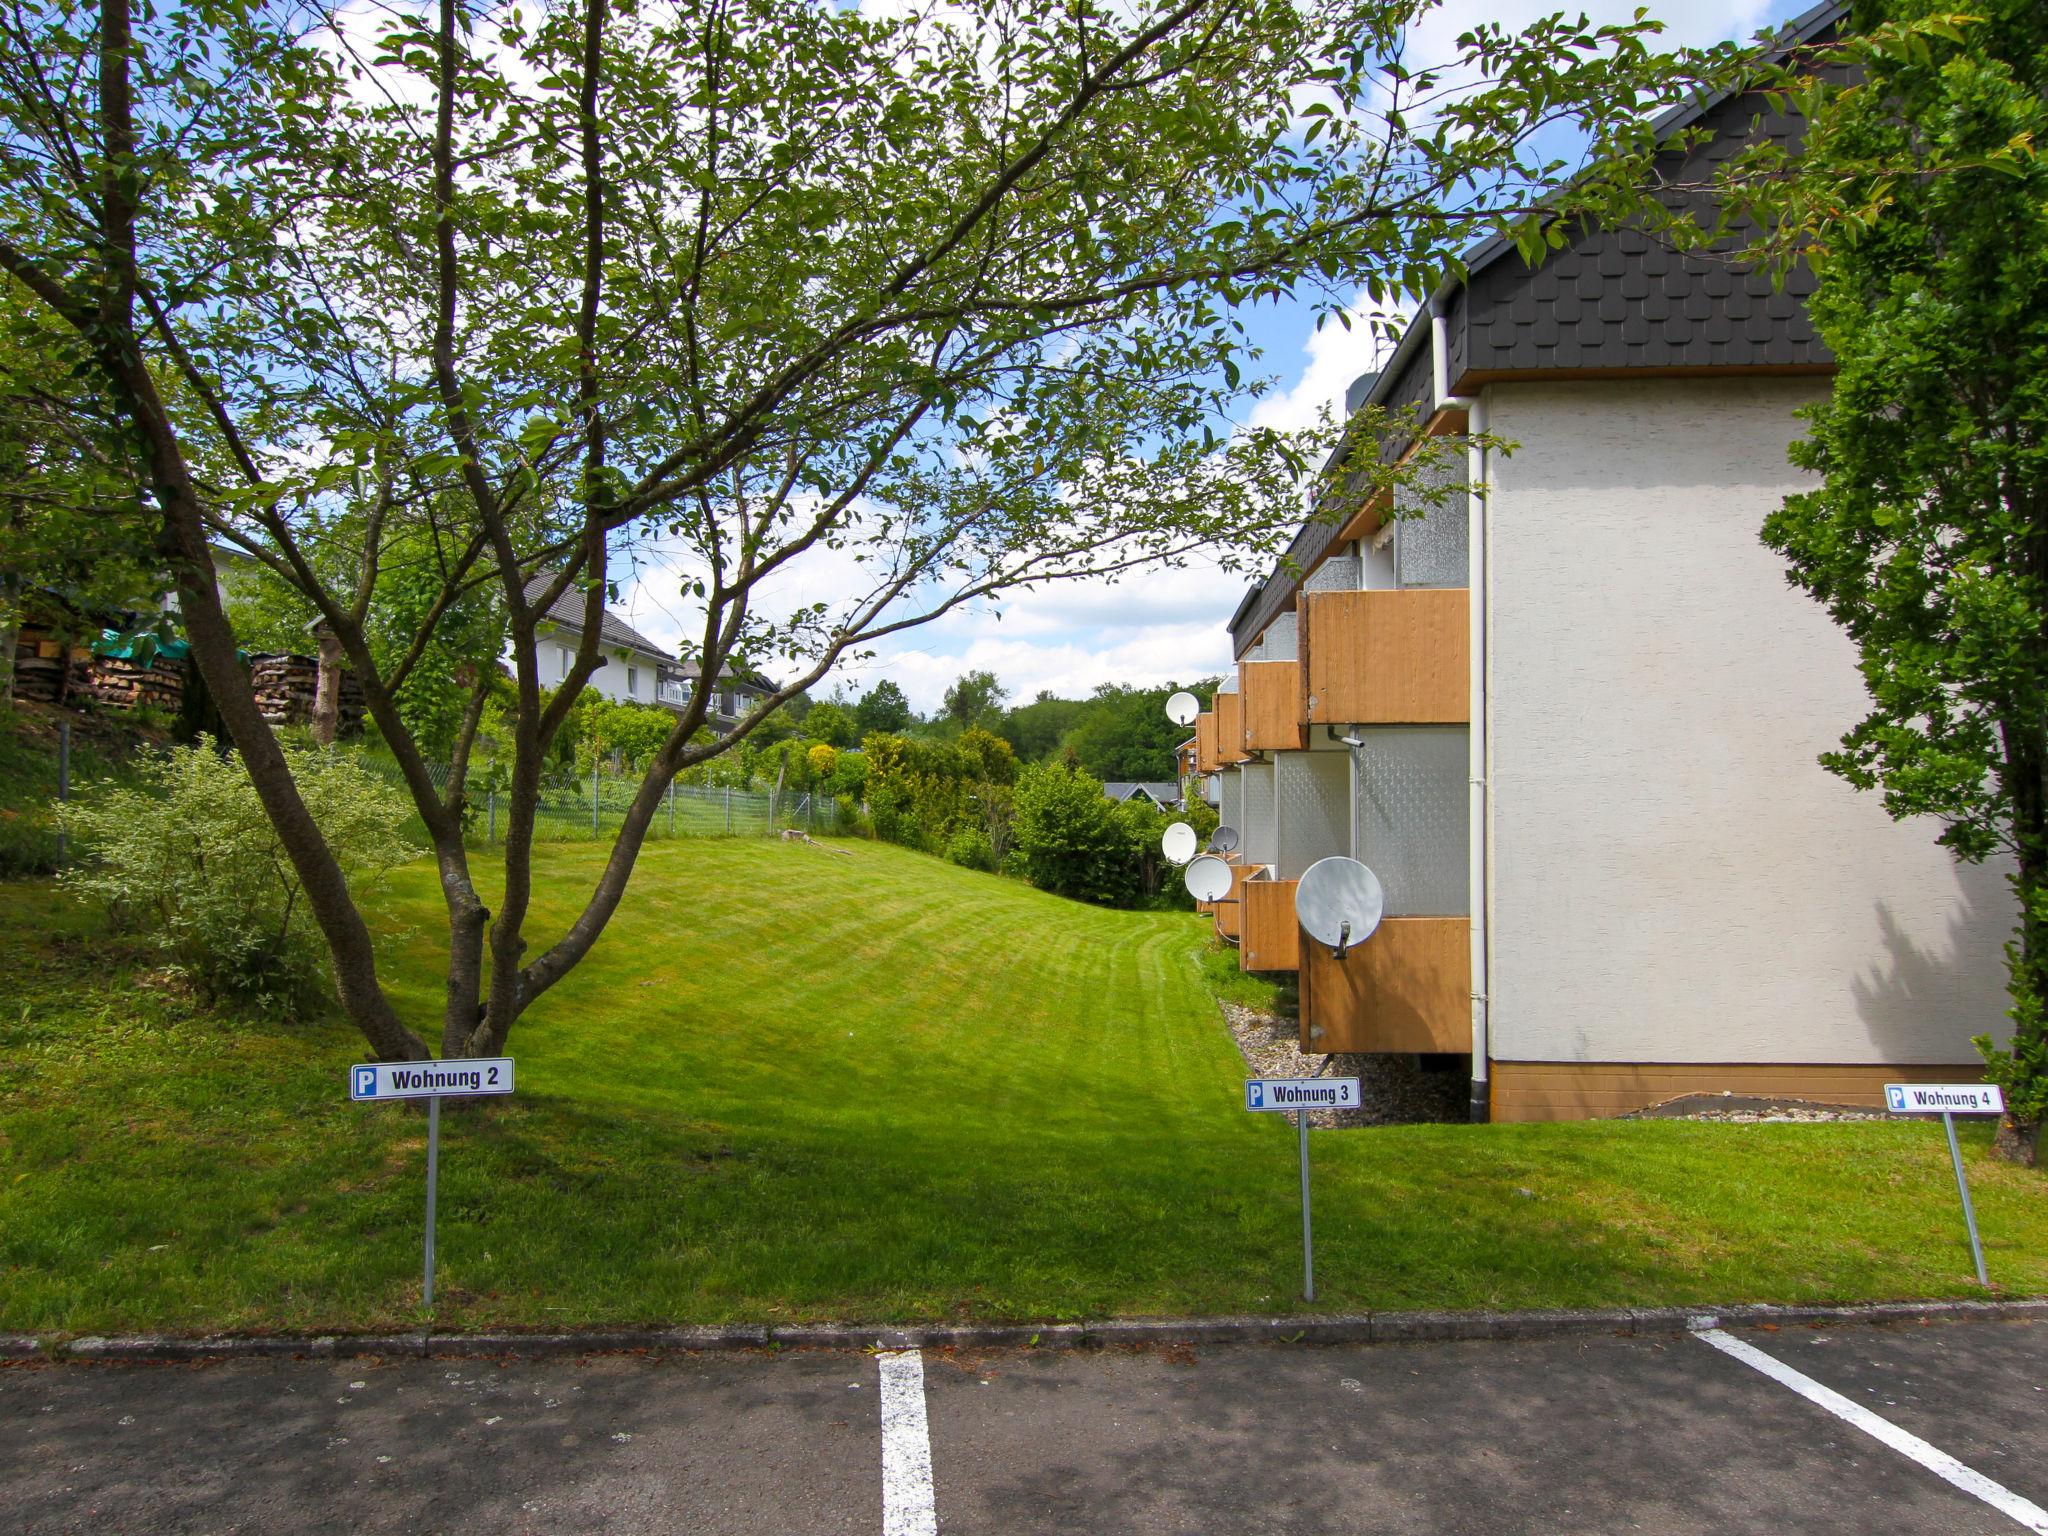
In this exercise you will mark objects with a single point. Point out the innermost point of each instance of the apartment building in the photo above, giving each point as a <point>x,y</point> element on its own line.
<point>1570,717</point>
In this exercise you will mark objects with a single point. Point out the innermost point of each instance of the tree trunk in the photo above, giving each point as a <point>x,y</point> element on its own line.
<point>2018,1141</point>
<point>10,633</point>
<point>327,689</point>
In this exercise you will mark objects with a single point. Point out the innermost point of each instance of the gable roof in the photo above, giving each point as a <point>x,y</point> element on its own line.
<point>1159,791</point>
<point>567,612</point>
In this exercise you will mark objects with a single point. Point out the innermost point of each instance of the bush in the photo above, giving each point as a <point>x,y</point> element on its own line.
<point>1072,841</point>
<point>971,849</point>
<point>189,860</point>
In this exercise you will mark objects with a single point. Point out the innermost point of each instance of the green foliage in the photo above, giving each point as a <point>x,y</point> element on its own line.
<point>975,699</point>
<point>1927,537</point>
<point>188,860</point>
<point>1123,733</point>
<point>830,723</point>
<point>1072,839</point>
<point>971,849</point>
<point>75,541</point>
<point>1037,729</point>
<point>885,709</point>
<point>823,761</point>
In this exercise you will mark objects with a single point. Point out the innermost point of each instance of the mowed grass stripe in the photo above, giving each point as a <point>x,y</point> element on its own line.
<point>793,1084</point>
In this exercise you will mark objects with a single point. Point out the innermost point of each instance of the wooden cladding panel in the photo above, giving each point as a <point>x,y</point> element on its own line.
<point>1407,988</point>
<point>1387,658</point>
<point>1272,936</point>
<point>1230,914</point>
<point>1271,691</point>
<point>1205,742</point>
<point>1229,728</point>
<point>1590,1090</point>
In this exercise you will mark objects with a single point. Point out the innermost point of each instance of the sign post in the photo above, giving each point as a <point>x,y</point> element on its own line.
<point>1949,1100</point>
<point>374,1082</point>
<point>1297,1096</point>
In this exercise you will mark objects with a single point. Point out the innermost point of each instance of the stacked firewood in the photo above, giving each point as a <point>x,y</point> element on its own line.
<point>40,663</point>
<point>124,683</point>
<point>285,687</point>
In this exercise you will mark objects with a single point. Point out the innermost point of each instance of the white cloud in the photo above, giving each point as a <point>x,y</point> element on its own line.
<point>1336,356</point>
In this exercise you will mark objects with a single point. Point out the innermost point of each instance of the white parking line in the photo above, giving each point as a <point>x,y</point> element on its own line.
<point>1939,1462</point>
<point>907,1507</point>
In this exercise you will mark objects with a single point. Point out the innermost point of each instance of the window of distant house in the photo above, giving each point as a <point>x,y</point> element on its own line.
<point>562,660</point>
<point>632,682</point>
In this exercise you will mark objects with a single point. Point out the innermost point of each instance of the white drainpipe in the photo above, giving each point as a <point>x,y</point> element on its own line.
<point>1478,824</point>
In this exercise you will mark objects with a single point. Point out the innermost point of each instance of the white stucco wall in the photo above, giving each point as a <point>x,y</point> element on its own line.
<point>1675,877</point>
<point>552,644</point>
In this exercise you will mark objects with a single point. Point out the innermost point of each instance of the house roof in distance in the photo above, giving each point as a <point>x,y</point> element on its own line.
<point>1160,791</point>
<point>567,611</point>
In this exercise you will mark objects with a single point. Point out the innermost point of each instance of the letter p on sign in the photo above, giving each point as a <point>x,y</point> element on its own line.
<point>1897,1094</point>
<point>366,1082</point>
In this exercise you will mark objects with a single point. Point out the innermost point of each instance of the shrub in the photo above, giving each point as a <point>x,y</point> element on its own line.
<point>1072,841</point>
<point>188,859</point>
<point>823,759</point>
<point>971,849</point>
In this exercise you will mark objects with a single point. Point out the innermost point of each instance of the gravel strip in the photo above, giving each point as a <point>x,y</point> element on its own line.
<point>1392,1089</point>
<point>1738,1109</point>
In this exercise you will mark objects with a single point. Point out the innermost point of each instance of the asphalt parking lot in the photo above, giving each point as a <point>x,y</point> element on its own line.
<point>1652,1434</point>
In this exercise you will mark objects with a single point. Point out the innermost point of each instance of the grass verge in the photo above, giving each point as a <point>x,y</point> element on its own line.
<point>791,1085</point>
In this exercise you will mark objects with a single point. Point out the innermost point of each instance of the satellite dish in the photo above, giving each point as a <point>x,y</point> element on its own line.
<point>1208,879</point>
<point>1223,840</point>
<point>1178,842</point>
<point>1182,708</point>
<point>1339,903</point>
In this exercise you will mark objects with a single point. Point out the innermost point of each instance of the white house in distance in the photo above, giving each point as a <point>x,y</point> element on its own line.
<point>636,669</point>
<point>1571,717</point>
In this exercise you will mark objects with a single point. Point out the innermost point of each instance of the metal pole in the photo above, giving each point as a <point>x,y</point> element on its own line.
<point>1948,1123</point>
<point>491,835</point>
<point>728,810</point>
<point>671,807</point>
<point>593,799</point>
<point>1308,1241</point>
<point>63,783</point>
<point>433,1181</point>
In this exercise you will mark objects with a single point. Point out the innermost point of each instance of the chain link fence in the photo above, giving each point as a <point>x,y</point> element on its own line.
<point>590,808</point>
<point>594,807</point>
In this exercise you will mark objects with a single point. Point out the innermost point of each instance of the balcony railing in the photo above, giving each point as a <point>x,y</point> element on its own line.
<point>1271,691</point>
<point>1386,657</point>
<point>1272,933</point>
<point>1407,988</point>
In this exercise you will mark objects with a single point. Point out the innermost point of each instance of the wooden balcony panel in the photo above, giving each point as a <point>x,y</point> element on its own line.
<point>1387,658</point>
<point>1272,936</point>
<point>1271,691</point>
<point>1407,988</point>
<point>1229,728</point>
<point>1230,914</point>
<point>1205,743</point>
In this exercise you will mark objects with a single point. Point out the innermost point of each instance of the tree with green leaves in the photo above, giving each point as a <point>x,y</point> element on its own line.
<point>831,723</point>
<point>885,709</point>
<point>75,544</point>
<point>1922,201</point>
<point>975,699</point>
<point>949,298</point>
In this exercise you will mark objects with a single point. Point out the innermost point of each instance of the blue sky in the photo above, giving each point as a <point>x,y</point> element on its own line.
<point>1169,626</point>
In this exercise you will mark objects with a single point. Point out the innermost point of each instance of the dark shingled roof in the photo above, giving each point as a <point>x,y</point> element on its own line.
<point>567,611</point>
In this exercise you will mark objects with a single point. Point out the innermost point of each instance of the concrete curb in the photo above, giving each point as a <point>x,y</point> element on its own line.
<point>1334,1328</point>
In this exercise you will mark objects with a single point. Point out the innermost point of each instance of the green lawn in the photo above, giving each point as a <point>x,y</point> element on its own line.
<point>793,1085</point>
